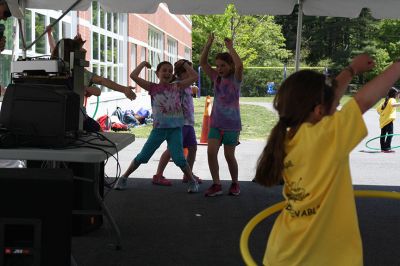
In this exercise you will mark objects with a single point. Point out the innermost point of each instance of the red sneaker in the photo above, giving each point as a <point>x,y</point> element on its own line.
<point>185,179</point>
<point>234,189</point>
<point>214,190</point>
<point>162,181</point>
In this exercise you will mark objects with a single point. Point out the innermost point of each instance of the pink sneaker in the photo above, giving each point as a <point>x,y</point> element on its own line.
<point>234,189</point>
<point>214,190</point>
<point>185,179</point>
<point>162,181</point>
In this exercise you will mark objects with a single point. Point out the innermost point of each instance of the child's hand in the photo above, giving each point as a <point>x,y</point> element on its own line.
<point>210,39</point>
<point>49,29</point>
<point>146,64</point>
<point>129,93</point>
<point>362,63</point>
<point>228,43</point>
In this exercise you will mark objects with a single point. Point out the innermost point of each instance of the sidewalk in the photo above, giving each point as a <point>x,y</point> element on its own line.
<point>367,168</point>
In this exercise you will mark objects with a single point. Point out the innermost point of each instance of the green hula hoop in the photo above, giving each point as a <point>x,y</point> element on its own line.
<point>383,136</point>
<point>97,107</point>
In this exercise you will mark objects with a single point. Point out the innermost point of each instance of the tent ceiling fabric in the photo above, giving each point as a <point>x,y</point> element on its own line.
<point>335,8</point>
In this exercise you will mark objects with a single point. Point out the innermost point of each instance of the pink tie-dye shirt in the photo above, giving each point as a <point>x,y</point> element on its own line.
<point>225,114</point>
<point>166,105</point>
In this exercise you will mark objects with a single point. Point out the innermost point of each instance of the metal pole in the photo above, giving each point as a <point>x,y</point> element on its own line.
<point>199,82</point>
<point>298,36</point>
<point>52,24</point>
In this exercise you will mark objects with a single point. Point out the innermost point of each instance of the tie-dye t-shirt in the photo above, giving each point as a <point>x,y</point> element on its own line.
<point>225,112</point>
<point>166,105</point>
<point>187,106</point>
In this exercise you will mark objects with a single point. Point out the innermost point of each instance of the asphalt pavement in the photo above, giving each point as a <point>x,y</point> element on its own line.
<point>368,167</point>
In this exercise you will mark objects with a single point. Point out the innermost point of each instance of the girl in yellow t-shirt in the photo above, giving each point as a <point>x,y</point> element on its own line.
<point>309,150</point>
<point>387,114</point>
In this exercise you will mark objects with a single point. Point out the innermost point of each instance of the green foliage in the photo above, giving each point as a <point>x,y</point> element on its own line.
<point>258,41</point>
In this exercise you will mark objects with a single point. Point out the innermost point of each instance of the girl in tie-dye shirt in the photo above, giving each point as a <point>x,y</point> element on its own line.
<point>225,123</point>
<point>168,119</point>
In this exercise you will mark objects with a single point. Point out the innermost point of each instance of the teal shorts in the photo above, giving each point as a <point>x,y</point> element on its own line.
<point>226,137</point>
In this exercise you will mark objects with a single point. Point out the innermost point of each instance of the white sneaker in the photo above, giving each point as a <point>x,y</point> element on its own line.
<point>193,187</point>
<point>121,183</point>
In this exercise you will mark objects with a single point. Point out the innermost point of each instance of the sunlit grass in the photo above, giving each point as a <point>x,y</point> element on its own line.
<point>257,121</point>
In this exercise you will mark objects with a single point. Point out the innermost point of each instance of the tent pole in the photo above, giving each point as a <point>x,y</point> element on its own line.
<point>298,36</point>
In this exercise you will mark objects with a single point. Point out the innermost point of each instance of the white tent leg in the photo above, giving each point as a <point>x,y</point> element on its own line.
<point>298,37</point>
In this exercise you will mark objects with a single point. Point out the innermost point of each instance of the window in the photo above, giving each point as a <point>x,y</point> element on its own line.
<point>188,54</point>
<point>40,46</point>
<point>172,50</point>
<point>155,52</point>
<point>133,62</point>
<point>106,47</point>
<point>35,21</point>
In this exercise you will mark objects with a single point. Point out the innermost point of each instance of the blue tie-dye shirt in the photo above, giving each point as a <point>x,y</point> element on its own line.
<point>166,105</point>
<point>225,112</point>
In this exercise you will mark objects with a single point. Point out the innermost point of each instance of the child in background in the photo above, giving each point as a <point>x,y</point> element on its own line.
<point>387,114</point>
<point>309,149</point>
<point>225,123</point>
<point>188,133</point>
<point>168,119</point>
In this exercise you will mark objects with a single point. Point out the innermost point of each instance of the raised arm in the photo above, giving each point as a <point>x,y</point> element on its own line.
<point>50,38</point>
<point>192,76</point>
<point>358,65</point>
<point>127,90</point>
<point>204,57</point>
<point>236,59</point>
<point>377,88</point>
<point>135,75</point>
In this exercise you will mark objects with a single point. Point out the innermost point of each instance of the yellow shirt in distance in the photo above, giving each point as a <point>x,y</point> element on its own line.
<point>319,225</point>
<point>388,114</point>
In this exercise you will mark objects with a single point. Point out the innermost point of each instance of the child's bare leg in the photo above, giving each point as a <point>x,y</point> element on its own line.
<point>212,154</point>
<point>132,167</point>
<point>192,150</point>
<point>229,152</point>
<point>164,159</point>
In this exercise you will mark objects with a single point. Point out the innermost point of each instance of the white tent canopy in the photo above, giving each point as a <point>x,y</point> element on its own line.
<point>336,8</point>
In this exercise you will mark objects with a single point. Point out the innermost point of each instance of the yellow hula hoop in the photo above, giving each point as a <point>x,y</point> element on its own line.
<point>244,237</point>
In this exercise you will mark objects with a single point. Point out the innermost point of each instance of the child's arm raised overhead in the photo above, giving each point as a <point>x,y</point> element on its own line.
<point>135,75</point>
<point>204,57</point>
<point>358,65</point>
<point>377,88</point>
<point>236,59</point>
<point>191,77</point>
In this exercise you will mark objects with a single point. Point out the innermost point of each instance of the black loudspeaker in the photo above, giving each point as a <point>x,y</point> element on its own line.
<point>35,217</point>
<point>84,196</point>
<point>41,115</point>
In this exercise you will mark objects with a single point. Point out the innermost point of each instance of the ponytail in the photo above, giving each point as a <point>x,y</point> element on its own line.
<point>385,103</point>
<point>271,161</point>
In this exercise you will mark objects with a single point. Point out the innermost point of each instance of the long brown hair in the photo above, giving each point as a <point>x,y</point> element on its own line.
<point>296,98</point>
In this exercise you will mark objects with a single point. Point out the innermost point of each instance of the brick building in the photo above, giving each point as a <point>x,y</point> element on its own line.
<point>115,42</point>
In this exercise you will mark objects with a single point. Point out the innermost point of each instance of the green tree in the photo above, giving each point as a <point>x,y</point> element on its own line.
<point>258,41</point>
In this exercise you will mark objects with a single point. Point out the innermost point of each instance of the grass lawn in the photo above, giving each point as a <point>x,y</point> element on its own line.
<point>257,121</point>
